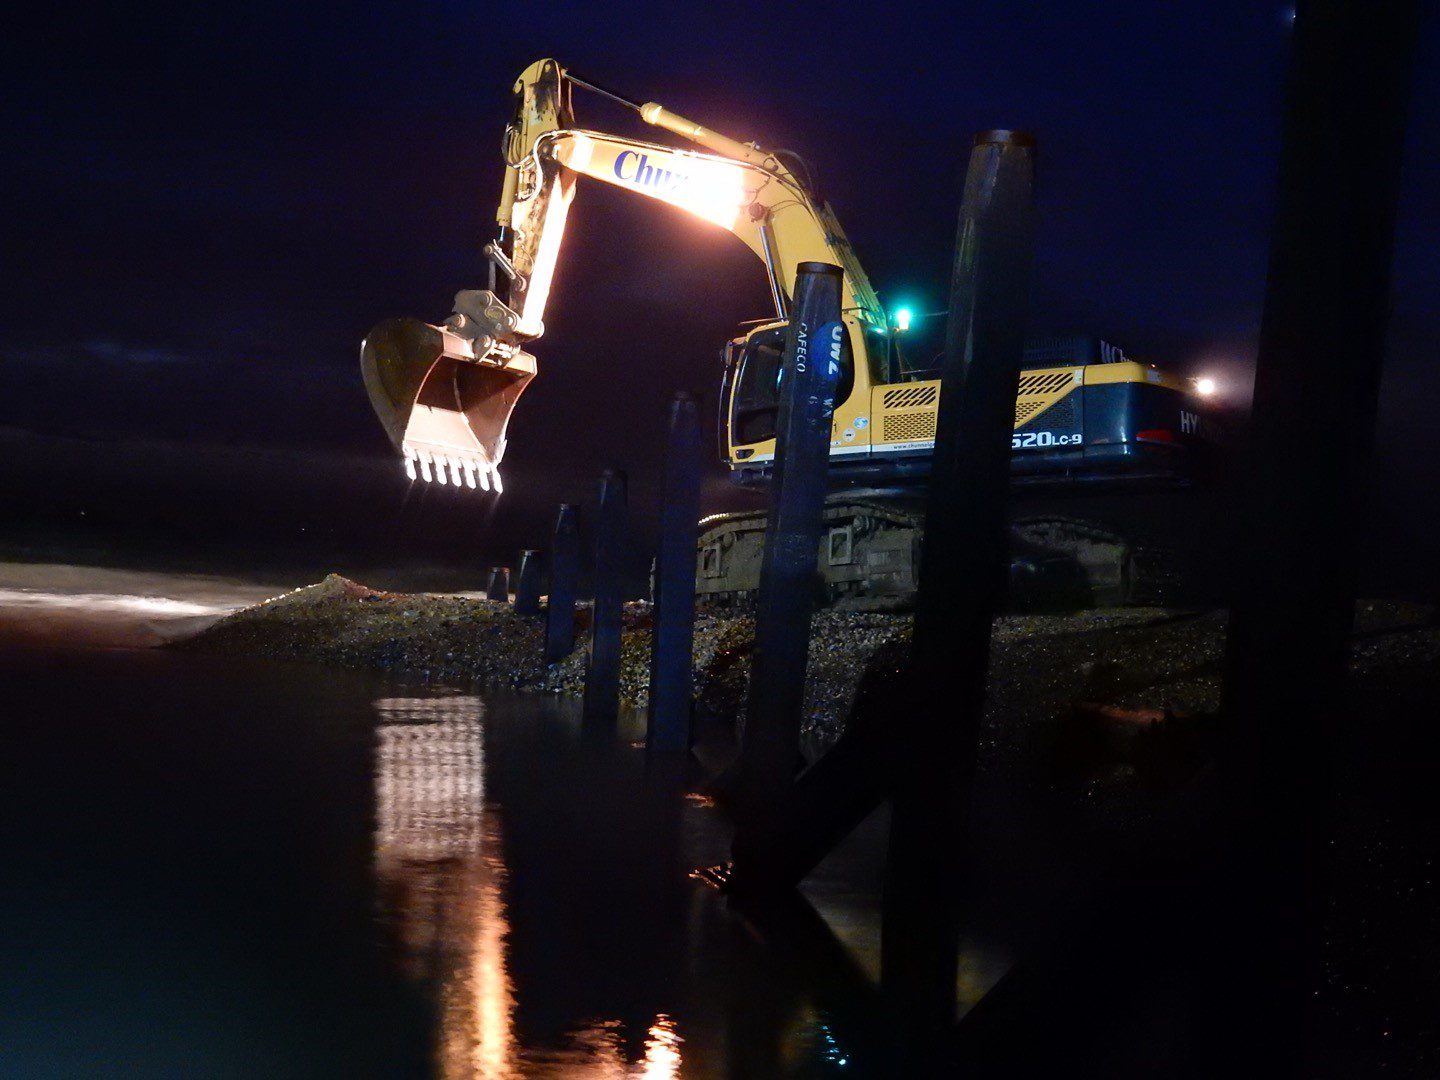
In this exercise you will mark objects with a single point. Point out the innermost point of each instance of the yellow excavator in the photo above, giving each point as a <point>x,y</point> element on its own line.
<point>445,393</point>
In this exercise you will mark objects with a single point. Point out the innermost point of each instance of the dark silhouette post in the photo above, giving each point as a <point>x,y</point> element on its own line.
<point>527,585</point>
<point>1304,477</point>
<point>499,587</point>
<point>962,574</point>
<point>564,569</point>
<point>770,750</point>
<point>671,675</point>
<point>602,674</point>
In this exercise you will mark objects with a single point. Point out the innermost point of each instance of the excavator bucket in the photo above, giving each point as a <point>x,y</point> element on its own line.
<point>443,409</point>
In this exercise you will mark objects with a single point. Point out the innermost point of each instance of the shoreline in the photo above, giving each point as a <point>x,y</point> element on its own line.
<point>1149,662</point>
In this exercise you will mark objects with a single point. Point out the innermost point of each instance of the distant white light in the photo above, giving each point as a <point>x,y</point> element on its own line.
<point>118,602</point>
<point>1205,386</point>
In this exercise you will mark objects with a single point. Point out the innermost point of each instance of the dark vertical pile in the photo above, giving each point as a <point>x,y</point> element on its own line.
<point>770,750</point>
<point>602,674</point>
<point>671,677</point>
<point>1322,340</point>
<point>564,569</point>
<point>961,580</point>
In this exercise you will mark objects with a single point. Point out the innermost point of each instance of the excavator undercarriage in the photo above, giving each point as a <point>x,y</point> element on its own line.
<point>1066,553</point>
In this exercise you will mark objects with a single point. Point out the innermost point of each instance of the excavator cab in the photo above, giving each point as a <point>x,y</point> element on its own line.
<point>445,410</point>
<point>750,390</point>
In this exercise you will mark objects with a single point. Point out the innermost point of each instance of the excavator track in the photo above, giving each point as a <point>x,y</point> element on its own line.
<point>1071,562</point>
<point>869,560</point>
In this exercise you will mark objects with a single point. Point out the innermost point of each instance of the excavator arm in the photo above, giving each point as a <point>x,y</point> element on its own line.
<point>445,393</point>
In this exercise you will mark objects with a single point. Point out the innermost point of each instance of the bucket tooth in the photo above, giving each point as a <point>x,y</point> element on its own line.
<point>410,466</point>
<point>495,479</point>
<point>425,467</point>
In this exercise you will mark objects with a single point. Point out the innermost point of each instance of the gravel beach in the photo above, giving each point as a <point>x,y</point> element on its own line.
<point>1140,660</point>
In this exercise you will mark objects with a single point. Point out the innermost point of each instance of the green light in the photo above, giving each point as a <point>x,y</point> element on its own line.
<point>902,318</point>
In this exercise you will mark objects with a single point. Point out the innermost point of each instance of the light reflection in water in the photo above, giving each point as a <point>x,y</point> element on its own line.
<point>596,1051</point>
<point>438,858</point>
<point>112,602</point>
<point>662,1050</point>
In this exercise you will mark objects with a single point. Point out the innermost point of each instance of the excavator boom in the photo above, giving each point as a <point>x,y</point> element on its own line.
<point>445,393</point>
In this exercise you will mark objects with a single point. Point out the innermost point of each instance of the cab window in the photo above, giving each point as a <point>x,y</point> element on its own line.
<point>755,407</point>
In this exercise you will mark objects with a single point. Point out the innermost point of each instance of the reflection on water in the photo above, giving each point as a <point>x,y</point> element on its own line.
<point>107,602</point>
<point>437,855</point>
<point>439,861</point>
<point>597,1050</point>
<point>662,1049</point>
<point>66,606</point>
<point>259,869</point>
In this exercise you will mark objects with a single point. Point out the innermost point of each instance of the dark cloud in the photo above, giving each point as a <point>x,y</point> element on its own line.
<point>116,353</point>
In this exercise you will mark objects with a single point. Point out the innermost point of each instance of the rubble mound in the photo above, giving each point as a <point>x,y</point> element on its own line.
<point>342,622</point>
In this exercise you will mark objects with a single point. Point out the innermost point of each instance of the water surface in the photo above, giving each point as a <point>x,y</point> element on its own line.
<point>219,868</point>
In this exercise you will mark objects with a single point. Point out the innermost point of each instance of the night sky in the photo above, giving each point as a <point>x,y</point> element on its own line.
<point>206,207</point>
